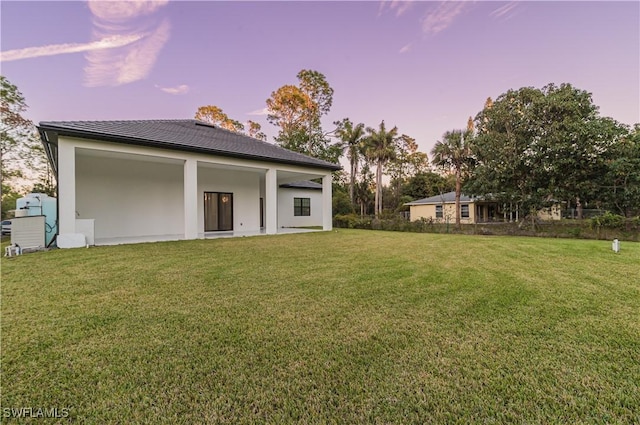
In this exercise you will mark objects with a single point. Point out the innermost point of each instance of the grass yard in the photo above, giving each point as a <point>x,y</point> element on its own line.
<point>333,327</point>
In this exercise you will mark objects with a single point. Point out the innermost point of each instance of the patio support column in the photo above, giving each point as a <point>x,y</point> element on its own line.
<point>327,219</point>
<point>66,187</point>
<point>271,201</point>
<point>191,199</point>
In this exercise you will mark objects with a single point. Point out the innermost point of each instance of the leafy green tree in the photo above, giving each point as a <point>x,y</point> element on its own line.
<point>505,168</point>
<point>571,143</point>
<point>314,84</point>
<point>340,200</point>
<point>255,131</point>
<point>427,184</point>
<point>214,115</point>
<point>14,131</point>
<point>22,159</point>
<point>352,138</point>
<point>287,108</point>
<point>9,198</point>
<point>470,126</point>
<point>540,145</point>
<point>453,154</point>
<point>621,188</point>
<point>407,162</point>
<point>298,110</point>
<point>380,149</point>
<point>365,190</point>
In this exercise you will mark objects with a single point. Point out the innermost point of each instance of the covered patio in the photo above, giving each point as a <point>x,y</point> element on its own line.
<point>154,191</point>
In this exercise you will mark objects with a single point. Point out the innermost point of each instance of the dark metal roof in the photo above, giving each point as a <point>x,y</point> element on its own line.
<point>306,184</point>
<point>445,198</point>
<point>183,135</point>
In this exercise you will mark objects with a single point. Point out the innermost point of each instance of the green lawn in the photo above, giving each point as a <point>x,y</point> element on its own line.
<point>333,327</point>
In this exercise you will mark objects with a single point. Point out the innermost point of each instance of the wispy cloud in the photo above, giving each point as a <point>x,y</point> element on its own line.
<point>400,6</point>
<point>58,49</point>
<point>443,16</point>
<point>263,111</point>
<point>127,40</point>
<point>120,11</point>
<point>505,11</point>
<point>405,49</point>
<point>132,62</point>
<point>181,89</point>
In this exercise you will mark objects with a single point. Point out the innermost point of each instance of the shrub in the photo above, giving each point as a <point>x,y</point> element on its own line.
<point>345,221</point>
<point>575,232</point>
<point>351,221</point>
<point>608,220</point>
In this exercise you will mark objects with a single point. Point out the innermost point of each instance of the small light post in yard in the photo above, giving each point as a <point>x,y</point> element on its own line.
<point>615,246</point>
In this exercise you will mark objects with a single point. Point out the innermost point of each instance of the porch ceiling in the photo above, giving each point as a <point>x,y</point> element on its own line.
<point>283,176</point>
<point>289,177</point>
<point>99,153</point>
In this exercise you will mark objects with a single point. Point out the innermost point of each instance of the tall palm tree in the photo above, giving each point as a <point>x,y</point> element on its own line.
<point>453,153</point>
<point>381,148</point>
<point>352,137</point>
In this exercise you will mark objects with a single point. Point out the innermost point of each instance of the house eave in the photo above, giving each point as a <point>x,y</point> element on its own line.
<point>46,130</point>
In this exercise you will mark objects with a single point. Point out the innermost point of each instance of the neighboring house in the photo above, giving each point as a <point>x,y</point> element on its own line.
<point>155,180</point>
<point>442,209</point>
<point>300,204</point>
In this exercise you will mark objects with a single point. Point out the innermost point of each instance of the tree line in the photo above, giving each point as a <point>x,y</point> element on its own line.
<point>532,148</point>
<point>372,151</point>
<point>528,149</point>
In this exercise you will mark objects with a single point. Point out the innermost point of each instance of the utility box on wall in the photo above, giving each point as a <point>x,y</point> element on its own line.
<point>28,232</point>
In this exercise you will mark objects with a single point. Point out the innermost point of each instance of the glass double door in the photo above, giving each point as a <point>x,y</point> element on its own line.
<point>218,211</point>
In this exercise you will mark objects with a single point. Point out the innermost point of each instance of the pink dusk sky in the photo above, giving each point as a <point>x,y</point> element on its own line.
<point>422,66</point>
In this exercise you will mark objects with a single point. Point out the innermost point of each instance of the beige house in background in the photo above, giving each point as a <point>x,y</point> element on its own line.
<point>442,209</point>
<point>553,212</point>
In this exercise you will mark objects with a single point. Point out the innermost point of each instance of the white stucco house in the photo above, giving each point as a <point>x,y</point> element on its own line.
<point>155,180</point>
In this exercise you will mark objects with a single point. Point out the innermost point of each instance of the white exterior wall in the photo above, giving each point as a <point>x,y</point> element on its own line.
<point>285,207</point>
<point>138,194</point>
<point>130,198</point>
<point>245,187</point>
